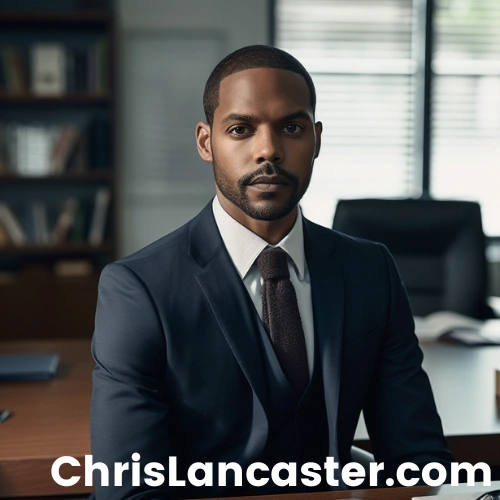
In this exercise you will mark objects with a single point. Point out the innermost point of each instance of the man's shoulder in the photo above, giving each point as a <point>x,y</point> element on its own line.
<point>168,252</point>
<point>171,245</point>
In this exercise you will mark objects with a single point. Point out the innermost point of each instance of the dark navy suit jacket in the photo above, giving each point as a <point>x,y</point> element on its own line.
<point>179,368</point>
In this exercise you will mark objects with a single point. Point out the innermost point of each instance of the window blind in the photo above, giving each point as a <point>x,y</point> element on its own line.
<point>362,58</point>
<point>466,105</point>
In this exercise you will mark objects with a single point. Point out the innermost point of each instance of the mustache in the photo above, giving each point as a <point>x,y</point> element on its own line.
<point>268,169</point>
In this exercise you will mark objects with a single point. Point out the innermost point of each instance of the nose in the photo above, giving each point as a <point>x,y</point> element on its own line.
<point>268,147</point>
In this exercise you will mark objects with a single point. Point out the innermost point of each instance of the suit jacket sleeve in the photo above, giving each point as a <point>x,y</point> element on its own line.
<point>400,412</point>
<point>129,411</point>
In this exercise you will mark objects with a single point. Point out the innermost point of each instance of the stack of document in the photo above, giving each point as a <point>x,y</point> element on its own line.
<point>453,496</point>
<point>453,326</point>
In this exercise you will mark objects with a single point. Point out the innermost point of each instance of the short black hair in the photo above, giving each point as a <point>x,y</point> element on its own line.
<point>253,56</point>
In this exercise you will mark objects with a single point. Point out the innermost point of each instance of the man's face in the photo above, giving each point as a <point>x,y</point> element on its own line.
<point>263,141</point>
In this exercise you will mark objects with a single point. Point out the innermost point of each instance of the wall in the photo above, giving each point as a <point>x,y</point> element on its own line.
<point>166,51</point>
<point>167,48</point>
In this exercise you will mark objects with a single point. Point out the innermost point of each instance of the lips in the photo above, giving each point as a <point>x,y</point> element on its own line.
<point>269,183</point>
<point>266,179</point>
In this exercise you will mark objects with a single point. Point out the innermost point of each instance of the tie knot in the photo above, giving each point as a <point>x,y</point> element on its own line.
<point>272,264</point>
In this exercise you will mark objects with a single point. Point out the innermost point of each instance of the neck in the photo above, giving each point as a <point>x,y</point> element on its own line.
<point>271,231</point>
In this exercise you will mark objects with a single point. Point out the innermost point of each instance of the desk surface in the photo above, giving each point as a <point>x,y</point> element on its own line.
<point>463,382</point>
<point>380,493</point>
<point>49,419</point>
<point>373,494</point>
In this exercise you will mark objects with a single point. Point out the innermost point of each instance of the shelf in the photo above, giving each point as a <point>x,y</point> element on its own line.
<point>98,176</point>
<point>68,249</point>
<point>84,17</point>
<point>33,272</point>
<point>74,99</point>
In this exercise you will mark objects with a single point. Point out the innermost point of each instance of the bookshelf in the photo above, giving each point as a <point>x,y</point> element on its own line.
<point>57,173</point>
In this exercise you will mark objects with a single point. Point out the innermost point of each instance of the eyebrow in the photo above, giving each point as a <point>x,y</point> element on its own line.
<point>236,117</point>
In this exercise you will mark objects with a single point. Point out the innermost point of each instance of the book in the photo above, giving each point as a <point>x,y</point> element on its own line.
<point>99,217</point>
<point>5,240</point>
<point>73,268</point>
<point>80,70</point>
<point>4,157</point>
<point>41,222</point>
<point>448,325</point>
<point>37,146</point>
<point>78,158</point>
<point>20,70</point>
<point>48,63</point>
<point>25,149</point>
<point>12,225</point>
<point>14,367</point>
<point>14,70</point>
<point>102,49</point>
<point>100,140</point>
<point>81,226</point>
<point>64,146</point>
<point>28,222</point>
<point>65,221</point>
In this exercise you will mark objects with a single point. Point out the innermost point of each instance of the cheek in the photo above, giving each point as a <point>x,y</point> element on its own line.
<point>226,164</point>
<point>301,156</point>
<point>233,155</point>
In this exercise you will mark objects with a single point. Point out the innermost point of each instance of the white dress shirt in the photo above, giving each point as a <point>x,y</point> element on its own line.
<point>244,247</point>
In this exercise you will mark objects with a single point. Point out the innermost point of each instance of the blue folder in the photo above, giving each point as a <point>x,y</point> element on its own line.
<point>28,366</point>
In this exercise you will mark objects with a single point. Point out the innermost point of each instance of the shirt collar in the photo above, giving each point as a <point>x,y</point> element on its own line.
<point>244,246</point>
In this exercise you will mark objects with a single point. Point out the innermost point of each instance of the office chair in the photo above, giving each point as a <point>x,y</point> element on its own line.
<point>438,246</point>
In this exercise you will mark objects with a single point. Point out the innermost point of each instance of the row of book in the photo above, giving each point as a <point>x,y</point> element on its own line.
<point>75,221</point>
<point>54,69</point>
<point>40,149</point>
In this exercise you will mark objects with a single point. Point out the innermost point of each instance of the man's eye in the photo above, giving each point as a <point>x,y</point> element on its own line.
<point>239,130</point>
<point>292,128</point>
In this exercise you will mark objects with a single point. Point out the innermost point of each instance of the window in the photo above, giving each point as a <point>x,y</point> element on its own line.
<point>465,124</point>
<point>367,59</point>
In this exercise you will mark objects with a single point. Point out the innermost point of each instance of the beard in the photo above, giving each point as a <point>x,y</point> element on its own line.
<point>267,208</point>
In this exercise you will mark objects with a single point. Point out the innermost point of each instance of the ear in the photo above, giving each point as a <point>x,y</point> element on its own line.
<point>203,141</point>
<point>319,129</point>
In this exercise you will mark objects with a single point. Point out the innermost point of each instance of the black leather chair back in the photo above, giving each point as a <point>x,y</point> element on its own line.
<point>438,246</point>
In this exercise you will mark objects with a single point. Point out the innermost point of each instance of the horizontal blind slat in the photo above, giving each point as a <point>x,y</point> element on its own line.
<point>466,106</point>
<point>360,56</point>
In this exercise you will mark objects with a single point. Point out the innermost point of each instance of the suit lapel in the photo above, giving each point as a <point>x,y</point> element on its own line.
<point>234,311</point>
<point>327,285</point>
<point>228,299</point>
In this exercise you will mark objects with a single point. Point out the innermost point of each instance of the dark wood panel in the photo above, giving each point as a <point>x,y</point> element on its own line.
<point>96,175</point>
<point>8,99</point>
<point>56,250</point>
<point>378,493</point>
<point>44,18</point>
<point>40,305</point>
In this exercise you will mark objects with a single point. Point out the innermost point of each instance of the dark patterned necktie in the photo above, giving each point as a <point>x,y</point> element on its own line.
<point>281,317</point>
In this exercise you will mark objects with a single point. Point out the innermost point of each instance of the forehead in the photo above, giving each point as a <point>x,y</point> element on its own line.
<point>263,91</point>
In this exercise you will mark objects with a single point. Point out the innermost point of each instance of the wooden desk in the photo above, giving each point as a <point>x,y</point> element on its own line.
<point>379,493</point>
<point>49,419</point>
<point>463,381</point>
<point>373,494</point>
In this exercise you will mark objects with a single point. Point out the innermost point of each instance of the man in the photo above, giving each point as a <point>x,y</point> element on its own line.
<point>213,345</point>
